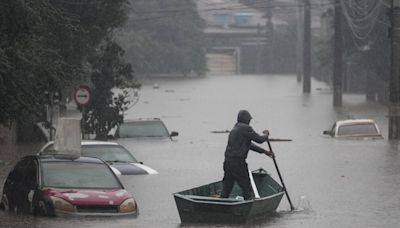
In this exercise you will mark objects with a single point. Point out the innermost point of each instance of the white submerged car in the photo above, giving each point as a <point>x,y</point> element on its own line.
<point>354,128</point>
<point>114,154</point>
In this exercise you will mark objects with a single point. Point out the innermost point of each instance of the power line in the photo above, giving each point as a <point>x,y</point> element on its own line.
<point>229,6</point>
<point>224,6</point>
<point>263,4</point>
<point>259,4</point>
<point>362,18</point>
<point>180,12</point>
<point>79,2</point>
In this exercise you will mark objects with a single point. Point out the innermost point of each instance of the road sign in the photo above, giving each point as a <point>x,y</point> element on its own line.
<point>82,95</point>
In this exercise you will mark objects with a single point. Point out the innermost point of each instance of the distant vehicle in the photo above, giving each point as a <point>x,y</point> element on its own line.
<point>356,128</point>
<point>113,153</point>
<point>143,128</point>
<point>52,185</point>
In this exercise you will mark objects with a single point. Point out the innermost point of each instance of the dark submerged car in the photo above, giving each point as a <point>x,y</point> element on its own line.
<point>56,184</point>
<point>143,128</point>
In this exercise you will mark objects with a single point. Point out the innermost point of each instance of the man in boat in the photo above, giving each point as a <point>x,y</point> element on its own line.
<point>239,143</point>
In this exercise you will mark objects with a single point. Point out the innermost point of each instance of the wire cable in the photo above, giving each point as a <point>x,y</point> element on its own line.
<point>362,17</point>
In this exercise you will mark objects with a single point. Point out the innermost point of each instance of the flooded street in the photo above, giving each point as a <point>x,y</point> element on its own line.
<point>332,183</point>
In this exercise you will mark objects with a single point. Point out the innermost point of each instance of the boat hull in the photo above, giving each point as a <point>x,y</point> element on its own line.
<point>201,204</point>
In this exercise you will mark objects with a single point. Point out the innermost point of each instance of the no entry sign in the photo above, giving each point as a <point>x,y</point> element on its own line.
<point>82,95</point>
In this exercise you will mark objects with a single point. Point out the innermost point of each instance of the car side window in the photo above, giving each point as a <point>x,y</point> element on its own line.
<point>30,174</point>
<point>142,129</point>
<point>18,172</point>
<point>358,129</point>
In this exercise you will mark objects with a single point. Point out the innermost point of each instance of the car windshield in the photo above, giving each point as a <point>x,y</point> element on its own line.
<point>78,175</point>
<point>142,129</point>
<point>109,153</point>
<point>357,129</point>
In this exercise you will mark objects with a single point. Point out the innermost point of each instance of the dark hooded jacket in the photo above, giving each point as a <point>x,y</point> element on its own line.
<point>241,137</point>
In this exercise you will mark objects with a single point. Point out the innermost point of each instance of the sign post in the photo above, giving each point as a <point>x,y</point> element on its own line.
<point>82,98</point>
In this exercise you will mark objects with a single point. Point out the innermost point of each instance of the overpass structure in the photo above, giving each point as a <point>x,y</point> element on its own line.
<point>236,50</point>
<point>239,38</point>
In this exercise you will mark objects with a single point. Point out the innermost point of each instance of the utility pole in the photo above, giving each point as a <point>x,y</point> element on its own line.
<point>338,57</point>
<point>307,48</point>
<point>270,37</point>
<point>394,93</point>
<point>299,43</point>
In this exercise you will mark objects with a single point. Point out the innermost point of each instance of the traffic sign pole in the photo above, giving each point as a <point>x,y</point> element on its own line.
<point>82,98</point>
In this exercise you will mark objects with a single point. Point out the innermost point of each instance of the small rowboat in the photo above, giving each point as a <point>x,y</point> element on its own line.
<point>203,205</point>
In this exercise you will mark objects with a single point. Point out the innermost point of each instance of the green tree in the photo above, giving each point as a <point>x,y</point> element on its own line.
<point>106,109</point>
<point>164,37</point>
<point>45,46</point>
<point>29,60</point>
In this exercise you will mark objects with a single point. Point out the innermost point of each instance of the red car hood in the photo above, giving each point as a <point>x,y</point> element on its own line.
<point>89,196</point>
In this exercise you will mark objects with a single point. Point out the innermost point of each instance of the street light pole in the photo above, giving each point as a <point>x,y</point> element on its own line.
<point>394,93</point>
<point>307,48</point>
<point>299,43</point>
<point>338,57</point>
<point>269,30</point>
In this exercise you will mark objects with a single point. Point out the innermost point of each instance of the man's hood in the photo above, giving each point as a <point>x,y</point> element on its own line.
<point>244,117</point>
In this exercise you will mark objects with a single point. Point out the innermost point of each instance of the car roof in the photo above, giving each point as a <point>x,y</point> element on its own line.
<point>355,121</point>
<point>66,157</point>
<point>94,142</point>
<point>142,120</point>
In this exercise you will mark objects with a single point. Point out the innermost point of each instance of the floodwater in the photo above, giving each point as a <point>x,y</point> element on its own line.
<point>332,183</point>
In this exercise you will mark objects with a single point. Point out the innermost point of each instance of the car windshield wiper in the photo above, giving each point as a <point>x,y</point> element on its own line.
<point>115,161</point>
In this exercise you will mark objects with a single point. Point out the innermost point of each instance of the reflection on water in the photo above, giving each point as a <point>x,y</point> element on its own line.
<point>333,183</point>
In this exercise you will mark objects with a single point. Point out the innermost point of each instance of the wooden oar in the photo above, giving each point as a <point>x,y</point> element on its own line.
<point>280,177</point>
<point>280,140</point>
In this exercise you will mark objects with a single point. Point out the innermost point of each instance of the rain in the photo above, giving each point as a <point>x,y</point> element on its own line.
<point>142,97</point>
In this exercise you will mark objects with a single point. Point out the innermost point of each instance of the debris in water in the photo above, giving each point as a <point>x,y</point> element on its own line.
<point>156,86</point>
<point>303,205</point>
<point>220,132</point>
<point>239,198</point>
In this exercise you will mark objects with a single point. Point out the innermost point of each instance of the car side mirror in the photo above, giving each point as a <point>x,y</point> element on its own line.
<point>110,137</point>
<point>174,133</point>
<point>327,132</point>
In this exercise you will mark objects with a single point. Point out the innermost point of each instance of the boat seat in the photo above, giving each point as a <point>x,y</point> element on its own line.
<point>208,198</point>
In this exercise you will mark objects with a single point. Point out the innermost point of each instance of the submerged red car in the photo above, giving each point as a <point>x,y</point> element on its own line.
<point>56,184</point>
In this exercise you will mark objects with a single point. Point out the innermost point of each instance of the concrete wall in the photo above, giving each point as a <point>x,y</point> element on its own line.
<point>219,63</point>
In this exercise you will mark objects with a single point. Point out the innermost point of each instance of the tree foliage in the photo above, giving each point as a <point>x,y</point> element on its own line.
<point>29,60</point>
<point>105,109</point>
<point>164,37</point>
<point>45,45</point>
